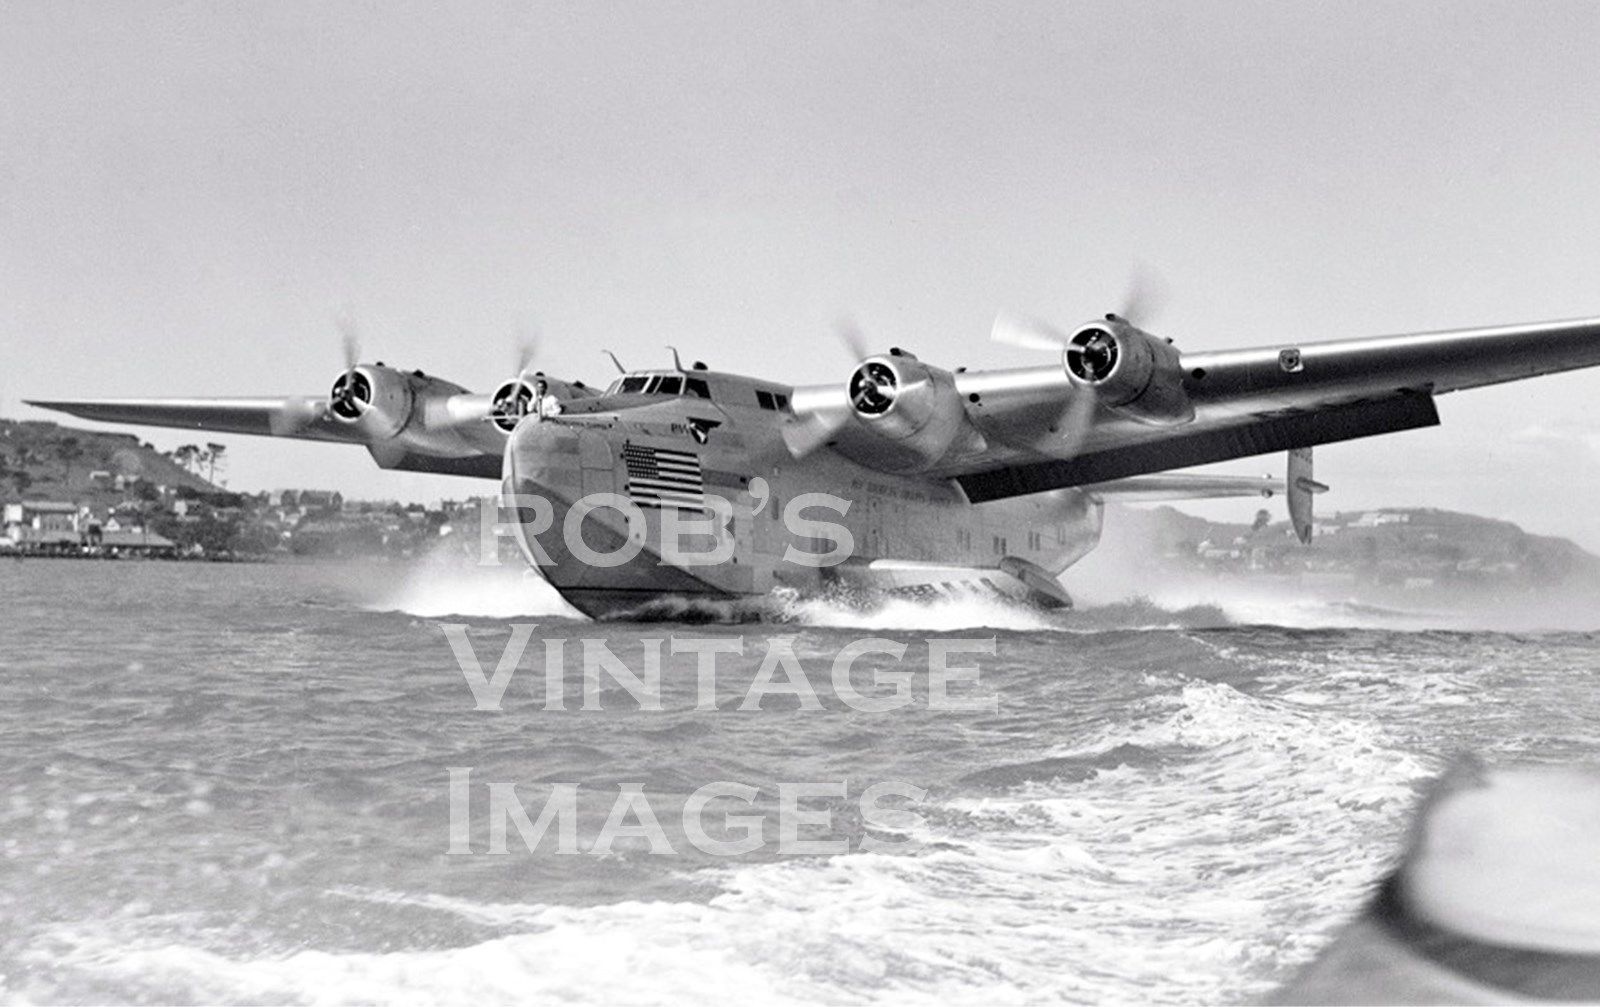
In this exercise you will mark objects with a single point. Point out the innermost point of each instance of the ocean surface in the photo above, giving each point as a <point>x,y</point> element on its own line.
<point>232,783</point>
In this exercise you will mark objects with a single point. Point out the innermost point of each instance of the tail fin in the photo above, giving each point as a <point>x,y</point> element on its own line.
<point>1301,487</point>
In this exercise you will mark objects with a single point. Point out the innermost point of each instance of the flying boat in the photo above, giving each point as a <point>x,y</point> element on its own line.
<point>931,480</point>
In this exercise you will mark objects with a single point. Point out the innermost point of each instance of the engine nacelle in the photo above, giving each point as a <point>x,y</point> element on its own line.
<point>376,399</point>
<point>914,408</point>
<point>402,415</point>
<point>1130,371</point>
<point>516,398</point>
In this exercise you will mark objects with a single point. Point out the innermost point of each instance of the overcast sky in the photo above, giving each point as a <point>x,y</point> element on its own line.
<point>191,192</point>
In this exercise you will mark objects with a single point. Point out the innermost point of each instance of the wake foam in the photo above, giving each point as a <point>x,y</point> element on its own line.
<point>1137,613</point>
<point>440,589</point>
<point>1189,853</point>
<point>1246,603</point>
<point>912,614</point>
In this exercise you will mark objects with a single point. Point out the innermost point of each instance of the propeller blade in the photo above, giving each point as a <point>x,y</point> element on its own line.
<point>350,342</point>
<point>820,412</point>
<point>854,340</point>
<point>1146,296</point>
<point>805,434</point>
<point>1028,333</point>
<point>1077,419</point>
<point>296,413</point>
<point>527,336</point>
<point>350,338</point>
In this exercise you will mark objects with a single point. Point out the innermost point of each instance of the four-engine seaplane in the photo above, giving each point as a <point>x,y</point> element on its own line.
<point>948,481</point>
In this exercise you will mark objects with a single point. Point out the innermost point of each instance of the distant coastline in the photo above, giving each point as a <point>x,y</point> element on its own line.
<point>84,494</point>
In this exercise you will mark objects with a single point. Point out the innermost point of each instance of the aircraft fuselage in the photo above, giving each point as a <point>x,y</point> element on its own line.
<point>628,483</point>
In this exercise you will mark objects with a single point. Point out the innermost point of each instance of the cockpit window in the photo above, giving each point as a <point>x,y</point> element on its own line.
<point>660,384</point>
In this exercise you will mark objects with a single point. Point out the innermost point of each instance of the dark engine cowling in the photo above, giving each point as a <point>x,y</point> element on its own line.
<point>374,398</point>
<point>1130,371</point>
<point>914,408</point>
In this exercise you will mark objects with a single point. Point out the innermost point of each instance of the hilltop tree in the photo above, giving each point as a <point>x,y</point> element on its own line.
<point>69,450</point>
<point>213,457</point>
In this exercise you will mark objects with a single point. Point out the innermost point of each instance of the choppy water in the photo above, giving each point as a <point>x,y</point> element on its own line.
<point>230,783</point>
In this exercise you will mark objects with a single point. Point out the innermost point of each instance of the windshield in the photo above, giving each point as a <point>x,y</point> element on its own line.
<point>660,384</point>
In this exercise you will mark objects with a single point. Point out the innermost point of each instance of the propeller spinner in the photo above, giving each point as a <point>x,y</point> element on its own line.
<point>1091,355</point>
<point>873,388</point>
<point>351,395</point>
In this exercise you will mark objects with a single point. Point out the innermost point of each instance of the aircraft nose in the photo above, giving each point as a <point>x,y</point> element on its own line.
<point>555,460</point>
<point>531,448</point>
<point>540,477</point>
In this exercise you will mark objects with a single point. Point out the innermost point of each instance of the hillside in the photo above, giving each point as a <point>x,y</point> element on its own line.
<point>1414,550</point>
<point>46,461</point>
<point>1384,552</point>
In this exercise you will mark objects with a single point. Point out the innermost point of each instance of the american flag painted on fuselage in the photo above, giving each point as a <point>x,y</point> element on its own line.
<point>660,477</point>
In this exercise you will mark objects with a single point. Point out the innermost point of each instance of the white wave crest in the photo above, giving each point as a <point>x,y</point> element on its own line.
<point>910,614</point>
<point>434,590</point>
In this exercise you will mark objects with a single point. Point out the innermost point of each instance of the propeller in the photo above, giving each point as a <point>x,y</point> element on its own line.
<point>515,398</point>
<point>1146,297</point>
<point>1143,301</point>
<point>1028,333</point>
<point>349,387</point>
<point>873,388</point>
<point>820,413</point>
<point>345,387</point>
<point>528,337</point>
<point>299,412</point>
<point>296,413</point>
<point>1091,356</point>
<point>1077,419</point>
<point>1095,356</point>
<point>853,339</point>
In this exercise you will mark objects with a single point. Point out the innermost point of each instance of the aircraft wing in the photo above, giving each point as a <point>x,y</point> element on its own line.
<point>1247,402</point>
<point>306,419</point>
<point>406,420</point>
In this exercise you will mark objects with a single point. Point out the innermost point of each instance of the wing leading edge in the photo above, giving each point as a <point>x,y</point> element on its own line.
<point>286,417</point>
<point>405,421</point>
